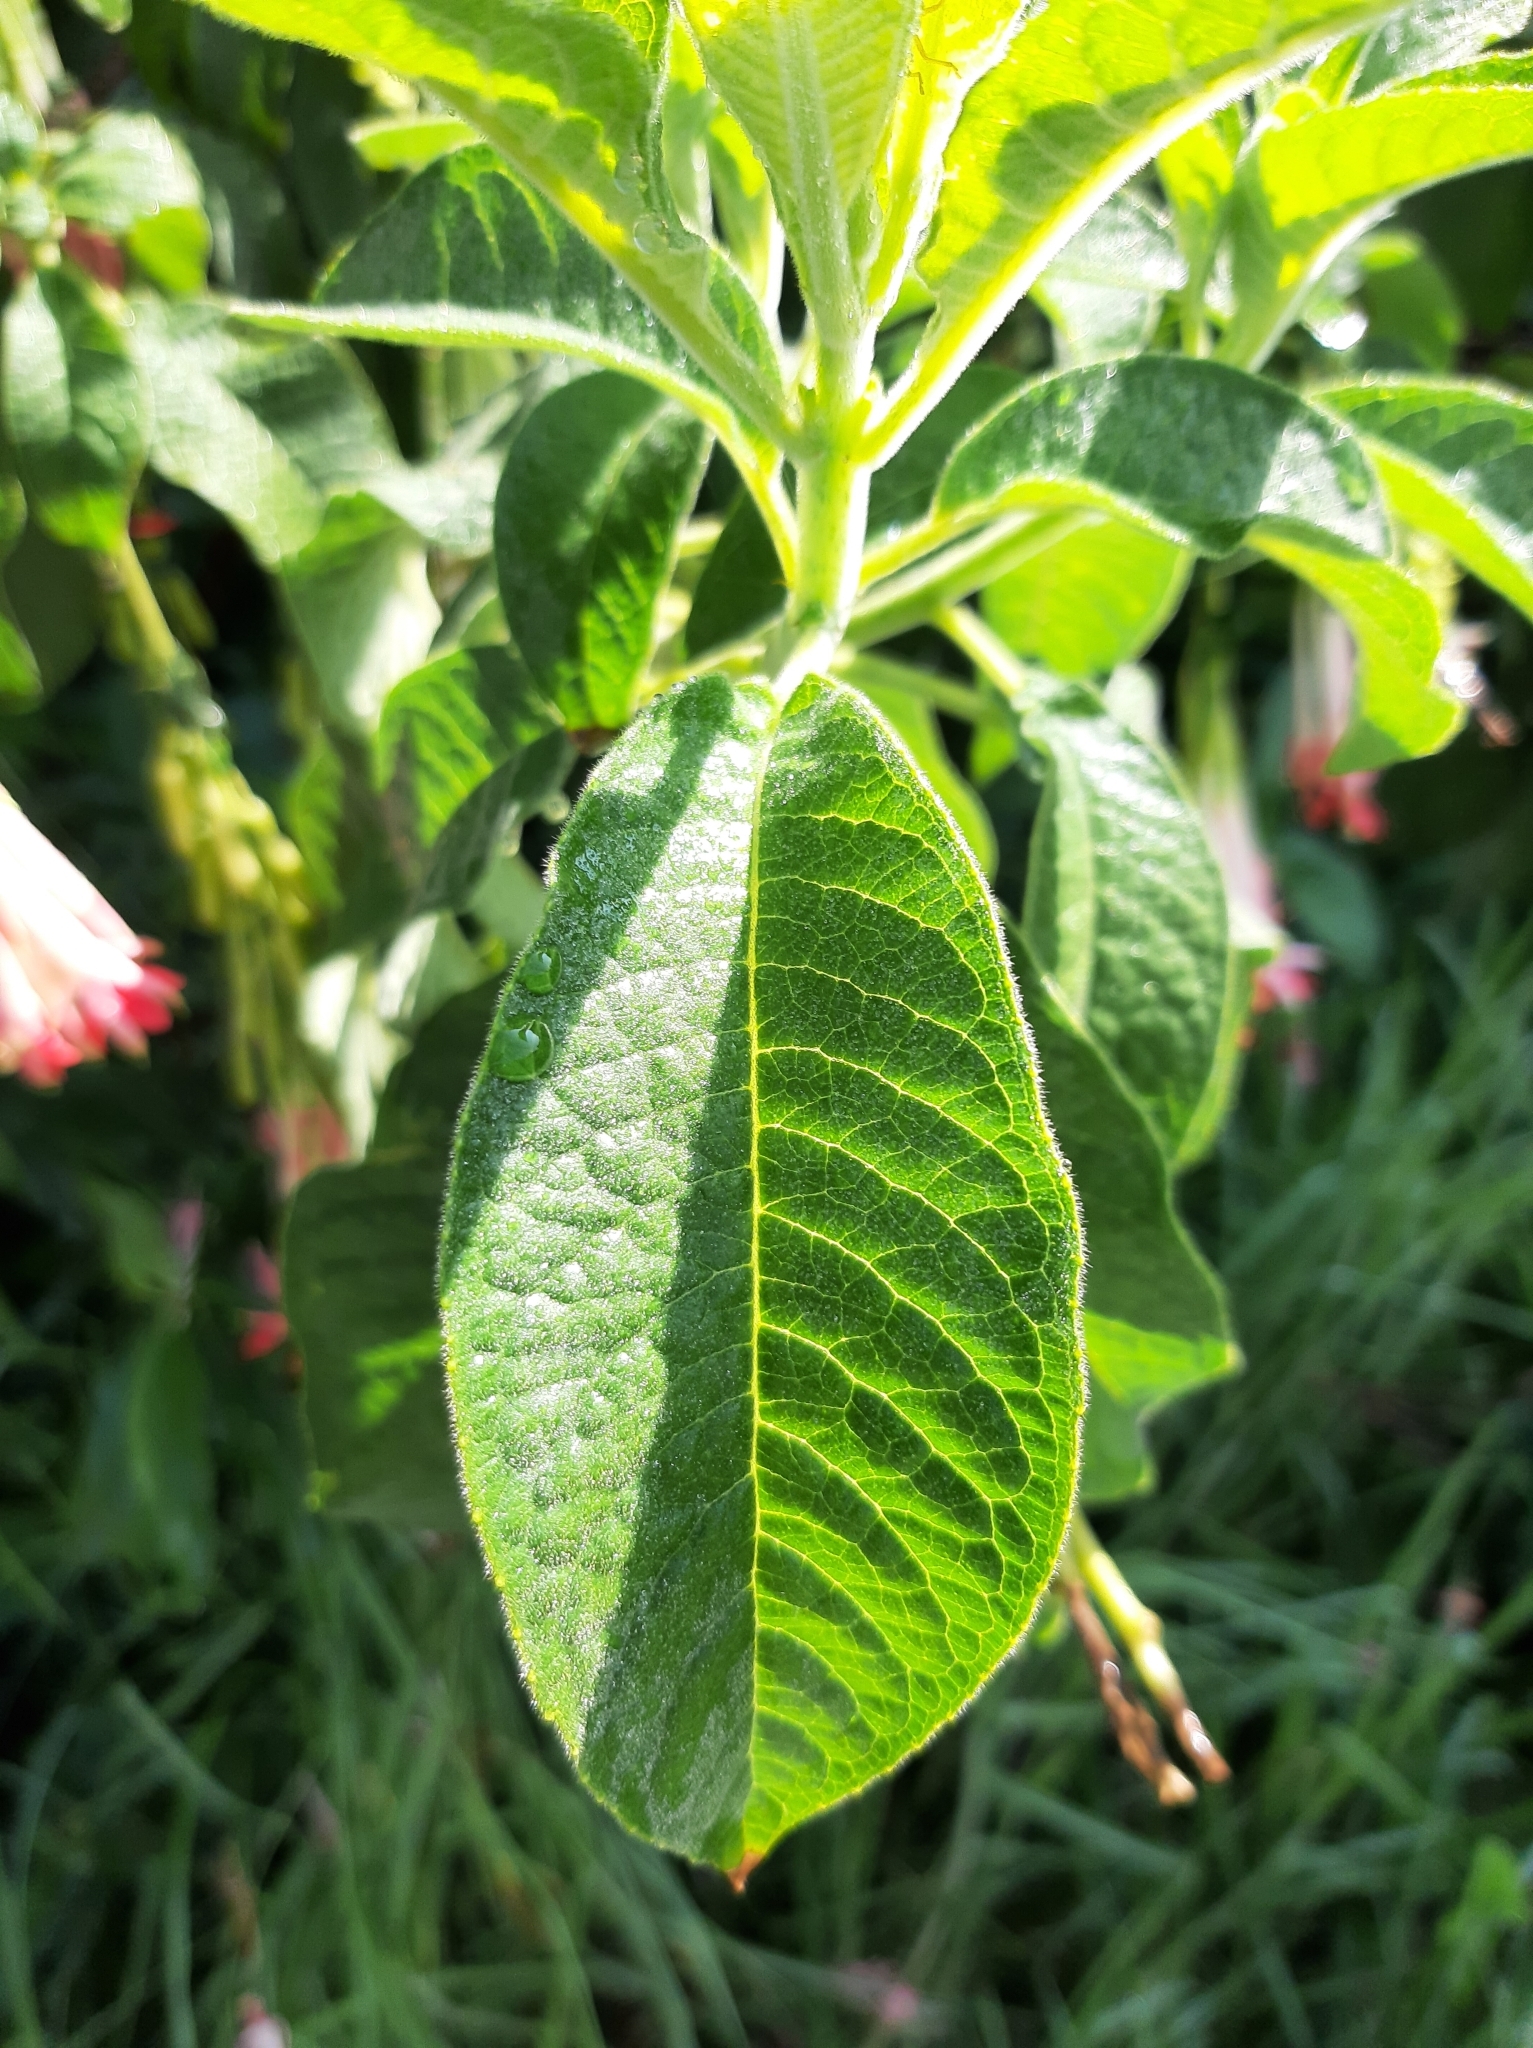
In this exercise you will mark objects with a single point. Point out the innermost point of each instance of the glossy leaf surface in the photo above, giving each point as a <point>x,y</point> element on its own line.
<point>1456,460</point>
<point>760,1288</point>
<point>588,517</point>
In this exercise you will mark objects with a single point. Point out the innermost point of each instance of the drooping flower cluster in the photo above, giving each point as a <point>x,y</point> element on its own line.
<point>74,979</point>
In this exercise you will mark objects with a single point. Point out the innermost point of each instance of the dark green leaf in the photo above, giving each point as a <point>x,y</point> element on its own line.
<point>1125,911</point>
<point>76,410</point>
<point>761,1288</point>
<point>600,478</point>
<point>741,589</point>
<point>488,823</point>
<point>1157,1323</point>
<point>359,1287</point>
<point>1212,459</point>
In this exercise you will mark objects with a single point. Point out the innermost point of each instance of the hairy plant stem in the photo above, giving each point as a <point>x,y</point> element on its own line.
<point>832,508</point>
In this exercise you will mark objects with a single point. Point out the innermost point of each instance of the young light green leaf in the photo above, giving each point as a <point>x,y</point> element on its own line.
<point>760,1273</point>
<point>77,412</point>
<point>813,85</point>
<point>1096,597</point>
<point>264,428</point>
<point>1456,461</point>
<point>1212,459</point>
<point>1125,910</point>
<point>1085,95</point>
<point>408,142</point>
<point>128,176</point>
<point>1434,35</point>
<point>1157,1323</point>
<point>599,480</point>
<point>1314,182</point>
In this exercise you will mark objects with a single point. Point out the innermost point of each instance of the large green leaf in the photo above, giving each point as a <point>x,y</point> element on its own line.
<point>1314,181</point>
<point>264,428</point>
<point>1125,909</point>
<point>1087,93</point>
<point>359,1287</point>
<point>588,518</point>
<point>1095,597</point>
<point>1456,460</point>
<point>568,91</point>
<point>1212,459</point>
<point>760,1272</point>
<point>128,175</point>
<point>363,606</point>
<point>77,412</point>
<point>1157,1322</point>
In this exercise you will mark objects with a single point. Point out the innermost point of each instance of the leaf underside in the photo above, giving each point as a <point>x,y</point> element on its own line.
<point>761,1302</point>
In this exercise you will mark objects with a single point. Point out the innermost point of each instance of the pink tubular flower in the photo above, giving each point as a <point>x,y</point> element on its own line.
<point>1215,764</point>
<point>73,978</point>
<point>1324,675</point>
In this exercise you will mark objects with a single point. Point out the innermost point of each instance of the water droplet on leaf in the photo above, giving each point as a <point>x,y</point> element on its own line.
<point>541,969</point>
<point>650,235</point>
<point>520,1049</point>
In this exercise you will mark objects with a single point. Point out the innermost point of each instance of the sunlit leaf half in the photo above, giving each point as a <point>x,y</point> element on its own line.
<point>760,1274</point>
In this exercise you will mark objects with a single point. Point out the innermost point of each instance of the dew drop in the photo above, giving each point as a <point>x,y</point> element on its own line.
<point>650,235</point>
<point>520,1049</point>
<point>541,969</point>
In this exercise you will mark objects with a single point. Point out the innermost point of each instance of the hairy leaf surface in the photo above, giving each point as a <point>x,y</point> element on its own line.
<point>1211,459</point>
<point>1456,460</point>
<point>568,91</point>
<point>1085,95</point>
<point>760,1280</point>
<point>263,428</point>
<point>588,517</point>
